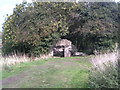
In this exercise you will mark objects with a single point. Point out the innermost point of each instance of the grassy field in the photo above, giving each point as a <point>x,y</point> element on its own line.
<point>71,72</point>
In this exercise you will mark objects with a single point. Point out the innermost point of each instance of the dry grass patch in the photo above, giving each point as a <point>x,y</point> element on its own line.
<point>104,73</point>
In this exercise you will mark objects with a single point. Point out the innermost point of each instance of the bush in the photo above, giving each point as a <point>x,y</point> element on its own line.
<point>9,48</point>
<point>104,73</point>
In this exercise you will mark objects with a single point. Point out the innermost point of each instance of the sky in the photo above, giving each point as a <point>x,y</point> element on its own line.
<point>6,7</point>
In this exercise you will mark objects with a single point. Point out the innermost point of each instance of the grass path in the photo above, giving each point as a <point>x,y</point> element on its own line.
<point>51,73</point>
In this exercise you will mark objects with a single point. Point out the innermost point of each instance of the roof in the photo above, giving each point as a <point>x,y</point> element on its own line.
<point>63,42</point>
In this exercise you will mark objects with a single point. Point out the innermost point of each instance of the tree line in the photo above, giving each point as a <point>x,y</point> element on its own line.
<point>33,28</point>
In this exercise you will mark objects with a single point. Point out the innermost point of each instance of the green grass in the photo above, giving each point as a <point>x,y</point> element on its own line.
<point>70,72</point>
<point>16,69</point>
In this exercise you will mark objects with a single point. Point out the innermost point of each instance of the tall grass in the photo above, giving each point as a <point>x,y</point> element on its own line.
<point>7,61</point>
<point>104,73</point>
<point>14,59</point>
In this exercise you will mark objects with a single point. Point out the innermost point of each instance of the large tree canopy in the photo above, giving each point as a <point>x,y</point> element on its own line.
<point>95,27</point>
<point>34,27</point>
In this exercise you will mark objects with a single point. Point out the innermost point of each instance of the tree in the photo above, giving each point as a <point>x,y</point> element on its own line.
<point>36,26</point>
<point>95,26</point>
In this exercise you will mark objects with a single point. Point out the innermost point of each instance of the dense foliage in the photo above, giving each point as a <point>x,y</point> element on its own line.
<point>34,27</point>
<point>105,71</point>
<point>95,27</point>
<point>104,79</point>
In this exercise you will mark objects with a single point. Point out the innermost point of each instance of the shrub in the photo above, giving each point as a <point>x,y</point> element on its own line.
<point>104,73</point>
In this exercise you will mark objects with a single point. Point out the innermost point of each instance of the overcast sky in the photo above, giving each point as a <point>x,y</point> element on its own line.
<point>6,7</point>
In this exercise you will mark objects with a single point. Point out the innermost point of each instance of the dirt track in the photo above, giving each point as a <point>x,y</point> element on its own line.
<point>46,75</point>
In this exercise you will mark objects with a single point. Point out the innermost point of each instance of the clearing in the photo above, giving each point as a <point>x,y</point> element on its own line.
<point>70,72</point>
